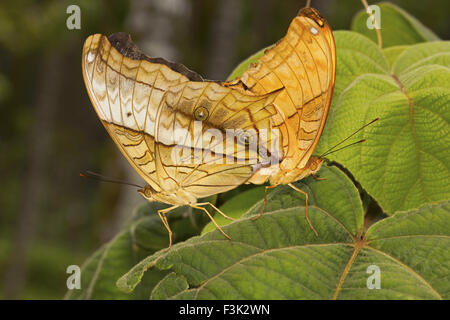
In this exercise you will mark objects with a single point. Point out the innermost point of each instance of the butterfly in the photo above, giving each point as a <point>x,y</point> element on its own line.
<point>303,66</point>
<point>172,125</point>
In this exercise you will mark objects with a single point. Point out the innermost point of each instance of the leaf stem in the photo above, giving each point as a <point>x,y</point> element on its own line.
<point>380,40</point>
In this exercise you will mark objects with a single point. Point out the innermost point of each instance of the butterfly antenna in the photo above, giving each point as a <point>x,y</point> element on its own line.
<point>349,145</point>
<point>99,177</point>
<point>332,148</point>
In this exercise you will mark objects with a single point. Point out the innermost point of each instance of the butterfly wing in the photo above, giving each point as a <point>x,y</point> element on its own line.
<point>303,65</point>
<point>152,108</point>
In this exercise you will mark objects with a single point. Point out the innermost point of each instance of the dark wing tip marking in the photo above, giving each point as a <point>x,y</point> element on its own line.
<point>122,42</point>
<point>314,15</point>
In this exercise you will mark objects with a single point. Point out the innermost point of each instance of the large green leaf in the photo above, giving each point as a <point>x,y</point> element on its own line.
<point>278,256</point>
<point>397,27</point>
<point>404,162</point>
<point>144,235</point>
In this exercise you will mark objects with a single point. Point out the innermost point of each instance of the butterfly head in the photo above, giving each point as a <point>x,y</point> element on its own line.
<point>147,192</point>
<point>314,164</point>
<point>312,167</point>
<point>176,196</point>
<point>288,176</point>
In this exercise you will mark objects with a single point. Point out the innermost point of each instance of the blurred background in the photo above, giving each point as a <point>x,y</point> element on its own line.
<point>50,217</point>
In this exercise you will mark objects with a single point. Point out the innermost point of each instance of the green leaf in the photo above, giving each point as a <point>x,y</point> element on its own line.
<point>356,56</point>
<point>278,257</point>
<point>391,54</point>
<point>423,54</point>
<point>168,287</point>
<point>404,162</point>
<point>397,27</point>
<point>239,70</point>
<point>418,239</point>
<point>144,235</point>
<point>236,207</point>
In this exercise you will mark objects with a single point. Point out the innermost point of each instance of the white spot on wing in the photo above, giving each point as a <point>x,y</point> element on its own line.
<point>90,56</point>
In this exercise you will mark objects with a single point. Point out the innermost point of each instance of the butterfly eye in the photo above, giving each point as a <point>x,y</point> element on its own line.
<point>201,113</point>
<point>148,192</point>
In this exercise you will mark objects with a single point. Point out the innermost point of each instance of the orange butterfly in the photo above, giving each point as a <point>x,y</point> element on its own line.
<point>303,65</point>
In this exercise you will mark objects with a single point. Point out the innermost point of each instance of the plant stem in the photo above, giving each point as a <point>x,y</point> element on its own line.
<point>380,40</point>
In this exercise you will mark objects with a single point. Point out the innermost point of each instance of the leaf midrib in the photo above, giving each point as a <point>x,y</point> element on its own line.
<point>263,252</point>
<point>357,248</point>
<point>358,245</point>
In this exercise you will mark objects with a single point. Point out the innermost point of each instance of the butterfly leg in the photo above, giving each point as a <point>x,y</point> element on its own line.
<point>212,219</point>
<point>306,200</point>
<point>162,216</point>
<point>265,200</point>
<point>318,178</point>
<point>217,209</point>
